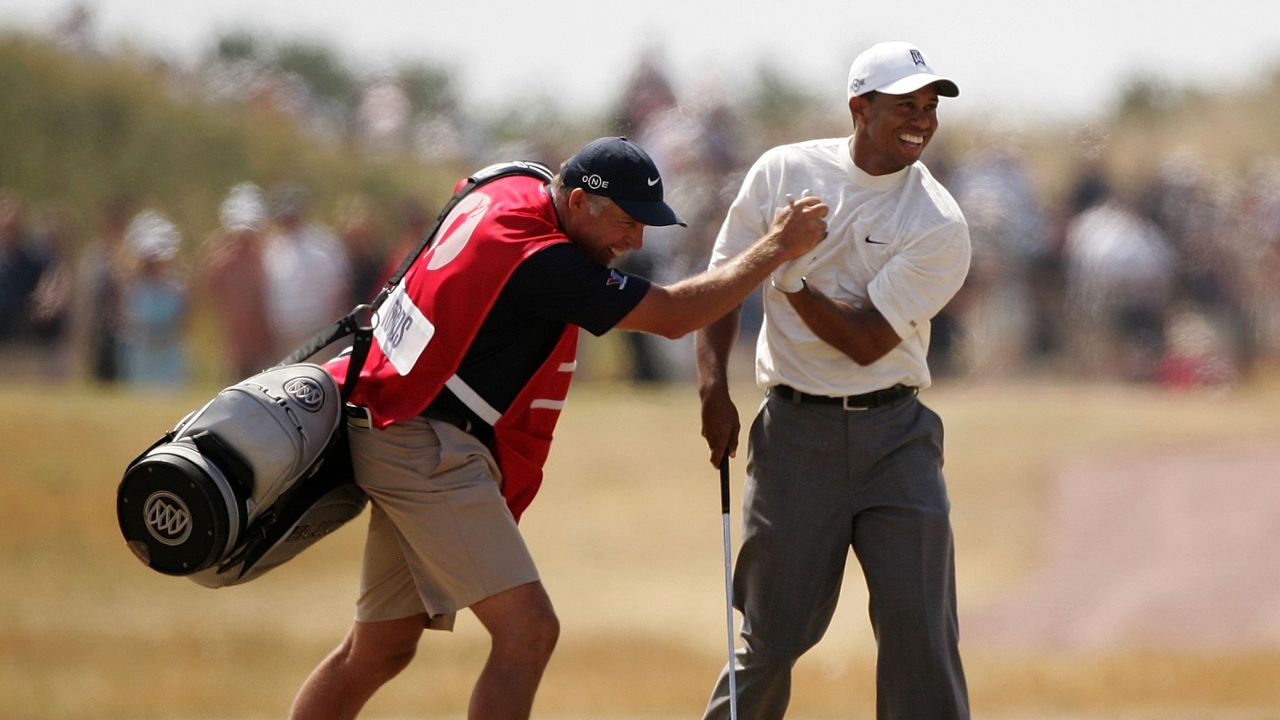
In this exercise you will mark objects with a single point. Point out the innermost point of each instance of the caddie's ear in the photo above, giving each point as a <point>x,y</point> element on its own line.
<point>577,199</point>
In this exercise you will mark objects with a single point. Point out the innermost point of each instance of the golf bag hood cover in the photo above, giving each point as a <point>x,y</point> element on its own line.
<point>190,501</point>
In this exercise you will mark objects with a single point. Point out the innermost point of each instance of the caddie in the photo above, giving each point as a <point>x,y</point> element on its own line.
<point>455,407</point>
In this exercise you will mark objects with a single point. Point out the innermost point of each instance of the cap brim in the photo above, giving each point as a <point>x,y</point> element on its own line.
<point>912,83</point>
<point>648,212</point>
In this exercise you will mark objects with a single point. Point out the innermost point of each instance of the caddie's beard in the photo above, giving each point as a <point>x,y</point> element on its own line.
<point>606,255</point>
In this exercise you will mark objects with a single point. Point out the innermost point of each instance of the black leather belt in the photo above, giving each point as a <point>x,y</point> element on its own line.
<point>865,401</point>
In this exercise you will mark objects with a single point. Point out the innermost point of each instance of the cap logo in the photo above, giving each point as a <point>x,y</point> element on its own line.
<point>594,181</point>
<point>857,84</point>
<point>918,59</point>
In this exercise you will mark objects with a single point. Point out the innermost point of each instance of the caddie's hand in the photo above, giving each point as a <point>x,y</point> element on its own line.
<point>789,276</point>
<point>800,225</point>
<point>720,426</point>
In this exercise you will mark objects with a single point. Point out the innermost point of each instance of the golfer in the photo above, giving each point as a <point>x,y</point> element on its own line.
<point>842,454</point>
<point>455,408</point>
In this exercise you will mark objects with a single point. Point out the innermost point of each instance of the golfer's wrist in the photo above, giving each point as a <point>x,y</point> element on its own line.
<point>713,388</point>
<point>788,288</point>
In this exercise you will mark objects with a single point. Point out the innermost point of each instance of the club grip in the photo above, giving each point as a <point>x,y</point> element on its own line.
<point>724,485</point>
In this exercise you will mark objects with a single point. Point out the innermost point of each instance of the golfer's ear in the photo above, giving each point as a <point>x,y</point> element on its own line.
<point>857,105</point>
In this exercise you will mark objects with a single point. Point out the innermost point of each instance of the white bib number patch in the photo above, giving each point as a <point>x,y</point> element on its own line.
<point>402,331</point>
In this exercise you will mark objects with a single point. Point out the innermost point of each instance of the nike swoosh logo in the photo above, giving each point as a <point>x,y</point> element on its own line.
<point>876,242</point>
<point>654,181</point>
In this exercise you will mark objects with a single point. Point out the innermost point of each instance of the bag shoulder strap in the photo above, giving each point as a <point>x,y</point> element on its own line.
<point>481,177</point>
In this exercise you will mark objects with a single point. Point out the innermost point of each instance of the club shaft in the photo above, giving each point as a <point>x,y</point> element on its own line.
<point>728,620</point>
<point>728,588</point>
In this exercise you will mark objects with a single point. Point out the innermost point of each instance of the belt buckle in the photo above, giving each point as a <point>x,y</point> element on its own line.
<point>844,403</point>
<point>358,416</point>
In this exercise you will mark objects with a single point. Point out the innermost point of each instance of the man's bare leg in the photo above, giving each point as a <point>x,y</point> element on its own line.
<point>370,655</point>
<point>524,630</point>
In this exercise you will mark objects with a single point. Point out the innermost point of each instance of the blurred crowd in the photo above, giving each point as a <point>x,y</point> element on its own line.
<point>1172,280</point>
<point>121,309</point>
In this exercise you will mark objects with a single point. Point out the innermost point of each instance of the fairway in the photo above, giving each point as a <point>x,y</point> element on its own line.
<point>626,531</point>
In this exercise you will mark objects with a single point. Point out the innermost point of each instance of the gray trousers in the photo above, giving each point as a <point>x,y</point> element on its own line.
<point>821,480</point>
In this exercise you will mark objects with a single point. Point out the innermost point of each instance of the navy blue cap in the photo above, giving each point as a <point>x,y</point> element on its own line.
<point>616,168</point>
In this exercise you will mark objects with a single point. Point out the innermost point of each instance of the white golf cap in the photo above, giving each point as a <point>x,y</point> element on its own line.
<point>895,68</point>
<point>152,236</point>
<point>245,208</point>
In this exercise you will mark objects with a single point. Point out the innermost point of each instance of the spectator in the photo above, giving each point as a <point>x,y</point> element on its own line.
<point>52,299</point>
<point>96,321</point>
<point>1256,242</point>
<point>362,240</point>
<point>1197,355</point>
<point>1120,282</point>
<point>155,306</point>
<point>20,269</point>
<point>383,116</point>
<point>1180,201</point>
<point>1008,234</point>
<point>415,221</point>
<point>236,281</point>
<point>308,275</point>
<point>1190,209</point>
<point>649,114</point>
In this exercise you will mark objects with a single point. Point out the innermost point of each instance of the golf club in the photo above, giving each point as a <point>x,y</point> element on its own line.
<point>728,586</point>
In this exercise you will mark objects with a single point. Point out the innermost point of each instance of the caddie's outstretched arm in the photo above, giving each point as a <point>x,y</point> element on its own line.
<point>674,311</point>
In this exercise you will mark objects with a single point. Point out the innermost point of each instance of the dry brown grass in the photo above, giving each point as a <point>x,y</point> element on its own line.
<point>627,533</point>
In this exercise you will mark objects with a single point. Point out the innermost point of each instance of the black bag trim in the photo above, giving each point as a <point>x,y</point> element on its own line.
<point>232,465</point>
<point>331,470</point>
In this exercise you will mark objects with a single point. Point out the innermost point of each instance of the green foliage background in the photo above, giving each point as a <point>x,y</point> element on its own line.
<point>79,133</point>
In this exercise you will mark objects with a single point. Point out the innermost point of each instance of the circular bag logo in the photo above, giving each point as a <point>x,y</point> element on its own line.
<point>306,392</point>
<point>167,517</point>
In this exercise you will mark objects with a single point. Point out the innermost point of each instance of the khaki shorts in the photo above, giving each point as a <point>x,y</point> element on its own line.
<point>441,537</point>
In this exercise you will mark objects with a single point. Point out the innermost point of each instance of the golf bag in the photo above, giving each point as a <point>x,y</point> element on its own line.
<point>245,483</point>
<point>262,471</point>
